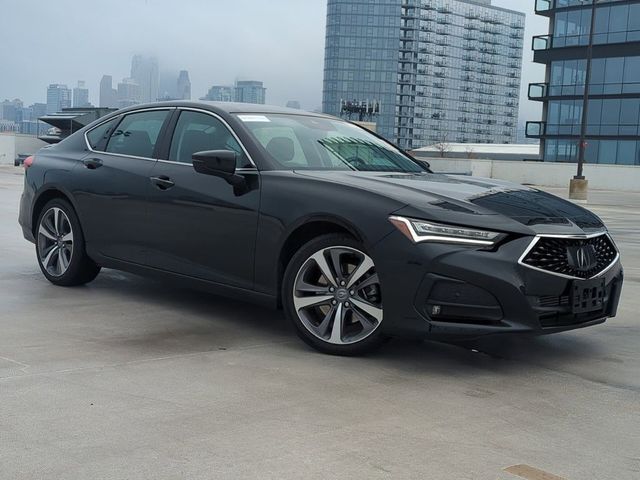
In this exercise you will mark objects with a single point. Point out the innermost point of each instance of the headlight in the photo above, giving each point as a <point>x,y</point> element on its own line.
<point>422,231</point>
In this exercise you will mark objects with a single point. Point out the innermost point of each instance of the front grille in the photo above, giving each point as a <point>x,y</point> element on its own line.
<point>555,255</point>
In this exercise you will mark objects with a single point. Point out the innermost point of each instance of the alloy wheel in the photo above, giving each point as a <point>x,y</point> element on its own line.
<point>337,295</point>
<point>55,242</point>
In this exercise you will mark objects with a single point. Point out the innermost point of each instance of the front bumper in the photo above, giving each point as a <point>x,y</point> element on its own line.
<point>450,292</point>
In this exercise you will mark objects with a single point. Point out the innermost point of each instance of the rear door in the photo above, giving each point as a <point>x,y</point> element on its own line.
<point>202,226</point>
<point>113,184</point>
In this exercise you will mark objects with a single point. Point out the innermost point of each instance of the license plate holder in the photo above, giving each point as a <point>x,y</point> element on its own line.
<point>588,295</point>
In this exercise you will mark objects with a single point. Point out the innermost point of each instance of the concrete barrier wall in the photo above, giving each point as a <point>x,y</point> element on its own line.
<point>12,145</point>
<point>550,174</point>
<point>7,149</point>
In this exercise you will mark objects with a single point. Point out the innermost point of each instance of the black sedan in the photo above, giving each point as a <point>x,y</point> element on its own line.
<point>353,238</point>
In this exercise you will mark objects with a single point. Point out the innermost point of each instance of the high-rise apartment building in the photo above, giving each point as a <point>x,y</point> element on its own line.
<point>220,93</point>
<point>250,91</point>
<point>81,95</point>
<point>108,95</point>
<point>58,97</point>
<point>425,71</point>
<point>144,70</point>
<point>184,86</point>
<point>591,94</point>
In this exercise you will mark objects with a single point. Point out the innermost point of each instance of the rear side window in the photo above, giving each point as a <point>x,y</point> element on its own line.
<point>98,136</point>
<point>137,134</point>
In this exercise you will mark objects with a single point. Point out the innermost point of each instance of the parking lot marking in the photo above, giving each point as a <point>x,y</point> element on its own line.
<point>530,473</point>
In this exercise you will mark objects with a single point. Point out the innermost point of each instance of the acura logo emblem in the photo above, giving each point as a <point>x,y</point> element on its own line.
<point>582,257</point>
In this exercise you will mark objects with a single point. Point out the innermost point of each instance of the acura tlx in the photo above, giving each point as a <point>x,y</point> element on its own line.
<point>354,239</point>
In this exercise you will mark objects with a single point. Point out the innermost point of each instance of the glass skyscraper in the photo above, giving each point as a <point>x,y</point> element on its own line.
<point>58,97</point>
<point>591,94</point>
<point>426,71</point>
<point>250,91</point>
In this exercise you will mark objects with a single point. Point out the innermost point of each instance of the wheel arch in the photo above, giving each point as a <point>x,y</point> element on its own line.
<point>305,231</point>
<point>45,196</point>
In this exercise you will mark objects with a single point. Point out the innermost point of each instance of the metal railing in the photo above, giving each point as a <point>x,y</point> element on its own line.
<point>545,42</point>
<point>538,91</point>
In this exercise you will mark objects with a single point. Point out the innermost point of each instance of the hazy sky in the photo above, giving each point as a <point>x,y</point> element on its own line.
<point>278,41</point>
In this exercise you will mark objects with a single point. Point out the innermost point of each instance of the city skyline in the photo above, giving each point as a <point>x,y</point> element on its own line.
<point>266,41</point>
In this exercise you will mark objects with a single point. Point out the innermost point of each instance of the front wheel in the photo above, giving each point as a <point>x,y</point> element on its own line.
<point>332,294</point>
<point>60,246</point>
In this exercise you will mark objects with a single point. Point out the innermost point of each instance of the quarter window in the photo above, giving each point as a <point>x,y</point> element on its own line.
<point>199,132</point>
<point>137,134</point>
<point>98,136</point>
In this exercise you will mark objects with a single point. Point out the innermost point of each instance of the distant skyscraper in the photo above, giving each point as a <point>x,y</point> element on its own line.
<point>81,95</point>
<point>129,93</point>
<point>168,86</point>
<point>38,109</point>
<point>293,104</point>
<point>220,93</point>
<point>108,95</point>
<point>144,70</point>
<point>58,97</point>
<point>250,91</point>
<point>426,71</point>
<point>11,110</point>
<point>184,86</point>
<point>30,115</point>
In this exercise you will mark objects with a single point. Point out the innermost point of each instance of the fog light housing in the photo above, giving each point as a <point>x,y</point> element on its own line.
<point>460,302</point>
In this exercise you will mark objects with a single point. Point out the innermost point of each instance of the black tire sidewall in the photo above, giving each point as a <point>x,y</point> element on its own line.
<point>81,268</point>
<point>362,347</point>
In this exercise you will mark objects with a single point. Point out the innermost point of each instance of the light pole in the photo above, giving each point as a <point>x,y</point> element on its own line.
<point>579,185</point>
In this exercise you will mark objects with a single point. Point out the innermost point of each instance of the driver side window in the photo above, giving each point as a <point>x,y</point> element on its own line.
<point>199,132</point>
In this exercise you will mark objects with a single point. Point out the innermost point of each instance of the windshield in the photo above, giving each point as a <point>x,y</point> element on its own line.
<point>297,142</point>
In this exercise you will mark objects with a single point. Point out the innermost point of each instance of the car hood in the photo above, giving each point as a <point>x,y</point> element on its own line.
<point>472,201</point>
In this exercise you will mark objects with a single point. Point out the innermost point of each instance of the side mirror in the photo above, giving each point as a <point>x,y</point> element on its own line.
<point>220,163</point>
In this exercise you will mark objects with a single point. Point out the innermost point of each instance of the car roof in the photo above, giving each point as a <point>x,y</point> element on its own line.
<point>226,107</point>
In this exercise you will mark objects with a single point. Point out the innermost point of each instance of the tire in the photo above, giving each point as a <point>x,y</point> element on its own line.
<point>60,247</point>
<point>312,303</point>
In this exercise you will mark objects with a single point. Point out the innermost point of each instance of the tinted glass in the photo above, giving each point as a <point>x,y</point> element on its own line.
<point>98,136</point>
<point>302,142</point>
<point>199,132</point>
<point>137,134</point>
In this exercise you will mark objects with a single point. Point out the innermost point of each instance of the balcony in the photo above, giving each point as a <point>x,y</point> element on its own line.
<point>541,42</point>
<point>546,42</point>
<point>535,129</point>
<point>543,6</point>
<point>538,91</point>
<point>546,7</point>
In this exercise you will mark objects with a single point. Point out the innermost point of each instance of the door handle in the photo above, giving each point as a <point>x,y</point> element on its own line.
<point>162,182</point>
<point>92,163</point>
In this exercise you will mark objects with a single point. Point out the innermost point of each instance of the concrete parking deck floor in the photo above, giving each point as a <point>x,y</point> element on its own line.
<point>129,378</point>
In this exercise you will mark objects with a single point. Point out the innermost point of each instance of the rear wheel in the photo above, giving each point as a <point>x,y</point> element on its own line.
<point>60,246</point>
<point>332,294</point>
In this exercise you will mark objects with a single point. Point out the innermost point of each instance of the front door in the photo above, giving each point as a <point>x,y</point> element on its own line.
<point>203,227</point>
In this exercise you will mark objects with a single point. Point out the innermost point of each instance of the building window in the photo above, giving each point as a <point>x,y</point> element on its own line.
<point>568,77</point>
<point>572,28</point>
<point>617,24</point>
<point>613,116</point>
<point>564,117</point>
<point>613,76</point>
